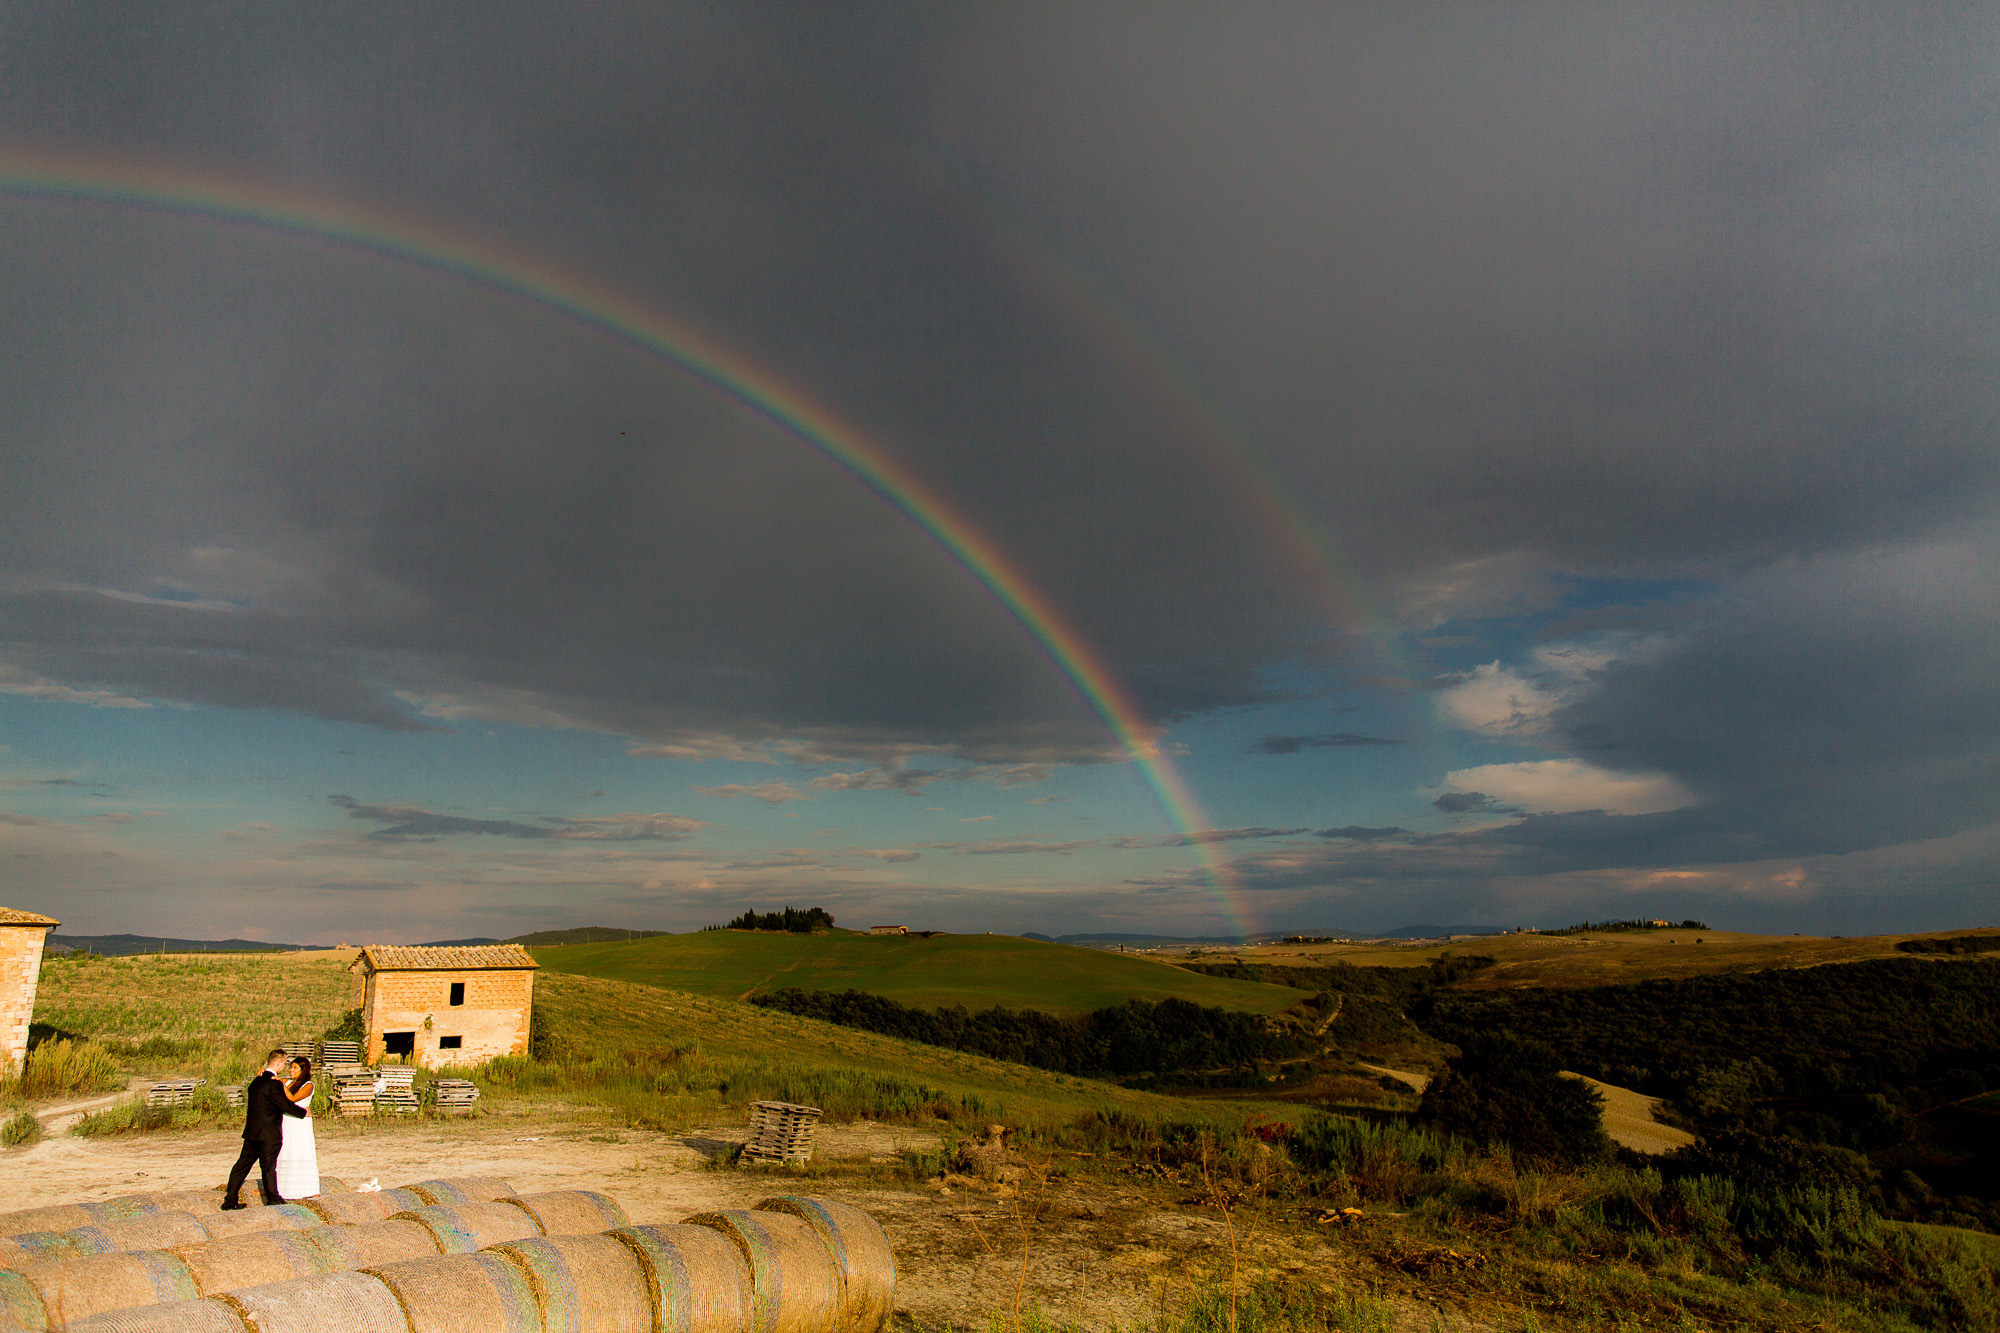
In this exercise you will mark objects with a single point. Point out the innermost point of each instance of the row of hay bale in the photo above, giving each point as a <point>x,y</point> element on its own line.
<point>185,1217</point>
<point>54,1293</point>
<point>791,1265</point>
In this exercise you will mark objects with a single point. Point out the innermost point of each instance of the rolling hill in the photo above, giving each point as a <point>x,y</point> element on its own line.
<point>977,971</point>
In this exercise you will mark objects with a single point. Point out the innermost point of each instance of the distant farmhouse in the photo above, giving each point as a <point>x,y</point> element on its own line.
<point>888,930</point>
<point>22,935</point>
<point>433,1005</point>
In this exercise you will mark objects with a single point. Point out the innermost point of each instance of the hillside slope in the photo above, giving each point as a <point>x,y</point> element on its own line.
<point>977,971</point>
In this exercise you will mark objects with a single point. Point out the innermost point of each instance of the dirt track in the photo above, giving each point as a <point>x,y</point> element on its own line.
<point>1100,1254</point>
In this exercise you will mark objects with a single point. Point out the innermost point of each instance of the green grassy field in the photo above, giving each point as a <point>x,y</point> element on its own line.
<point>977,971</point>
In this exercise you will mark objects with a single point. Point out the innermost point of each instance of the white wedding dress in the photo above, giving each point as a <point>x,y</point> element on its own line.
<point>298,1159</point>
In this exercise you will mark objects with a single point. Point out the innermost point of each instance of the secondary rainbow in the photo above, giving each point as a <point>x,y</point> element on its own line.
<point>603,309</point>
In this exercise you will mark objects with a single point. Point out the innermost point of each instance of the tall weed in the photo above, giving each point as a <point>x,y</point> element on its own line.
<point>62,1068</point>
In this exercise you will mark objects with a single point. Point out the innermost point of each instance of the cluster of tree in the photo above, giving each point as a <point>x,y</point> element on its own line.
<point>1956,944</point>
<point>1610,927</point>
<point>1398,986</point>
<point>1877,1072</point>
<point>1139,1036</point>
<point>799,921</point>
<point>1504,1090</point>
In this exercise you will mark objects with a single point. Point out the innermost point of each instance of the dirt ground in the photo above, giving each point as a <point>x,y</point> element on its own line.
<point>1100,1255</point>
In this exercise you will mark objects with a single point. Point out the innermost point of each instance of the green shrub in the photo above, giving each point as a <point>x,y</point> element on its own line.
<point>22,1128</point>
<point>60,1068</point>
<point>1391,1162</point>
<point>349,1028</point>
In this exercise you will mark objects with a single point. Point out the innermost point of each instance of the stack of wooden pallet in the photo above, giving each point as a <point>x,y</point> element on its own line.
<point>353,1089</point>
<point>455,1095</point>
<point>179,1092</point>
<point>397,1094</point>
<point>295,1050</point>
<point>781,1132</point>
<point>234,1092</point>
<point>340,1052</point>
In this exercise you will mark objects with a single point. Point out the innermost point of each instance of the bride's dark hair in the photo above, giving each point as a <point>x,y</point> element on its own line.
<point>305,1065</point>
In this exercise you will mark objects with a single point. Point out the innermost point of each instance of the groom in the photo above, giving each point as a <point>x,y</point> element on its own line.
<point>264,1108</point>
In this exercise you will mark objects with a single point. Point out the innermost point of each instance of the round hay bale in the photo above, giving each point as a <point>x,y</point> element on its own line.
<point>252,1261</point>
<point>203,1316</point>
<point>48,1217</point>
<point>571,1212</point>
<point>251,1221</point>
<point>700,1279</point>
<point>73,1289</point>
<point>12,1250</point>
<point>794,1286</point>
<point>198,1202</point>
<point>332,1185</point>
<point>860,1250</point>
<point>473,1227</point>
<point>372,1244</point>
<point>584,1284</point>
<point>463,1293</point>
<point>20,1303</point>
<point>402,1200</point>
<point>47,1244</point>
<point>348,1210</point>
<point>456,1190</point>
<point>119,1209</point>
<point>148,1231</point>
<point>332,1303</point>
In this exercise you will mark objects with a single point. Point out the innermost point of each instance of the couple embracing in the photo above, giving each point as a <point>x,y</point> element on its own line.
<point>277,1134</point>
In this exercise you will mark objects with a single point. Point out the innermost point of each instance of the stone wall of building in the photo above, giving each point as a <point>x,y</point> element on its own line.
<point>492,1021</point>
<point>20,970</point>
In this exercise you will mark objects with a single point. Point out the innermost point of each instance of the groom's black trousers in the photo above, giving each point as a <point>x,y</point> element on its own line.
<point>264,1153</point>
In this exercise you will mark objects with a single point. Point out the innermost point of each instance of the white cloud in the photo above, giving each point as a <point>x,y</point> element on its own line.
<point>627,827</point>
<point>16,681</point>
<point>1558,786</point>
<point>770,793</point>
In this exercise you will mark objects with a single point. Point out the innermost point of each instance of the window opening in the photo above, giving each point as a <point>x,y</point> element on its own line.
<point>458,992</point>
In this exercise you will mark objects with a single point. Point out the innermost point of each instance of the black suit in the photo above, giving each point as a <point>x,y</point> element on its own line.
<point>265,1107</point>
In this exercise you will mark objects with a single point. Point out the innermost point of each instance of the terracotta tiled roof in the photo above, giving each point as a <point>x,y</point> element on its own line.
<point>443,958</point>
<point>14,916</point>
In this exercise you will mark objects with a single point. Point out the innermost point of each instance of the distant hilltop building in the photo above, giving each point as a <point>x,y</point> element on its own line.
<point>888,930</point>
<point>436,1005</point>
<point>22,936</point>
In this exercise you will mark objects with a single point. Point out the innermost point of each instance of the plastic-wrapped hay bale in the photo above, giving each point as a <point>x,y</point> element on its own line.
<point>860,1250</point>
<point>457,1190</point>
<point>333,1303</point>
<point>349,1209</point>
<point>794,1286</point>
<point>463,1293</point>
<point>571,1212</point>
<point>473,1227</point>
<point>584,1284</point>
<point>332,1185</point>
<point>20,1303</point>
<point>372,1244</point>
<point>252,1261</point>
<point>700,1279</point>
<point>203,1316</point>
<point>73,1289</point>
<point>402,1200</point>
<point>251,1221</point>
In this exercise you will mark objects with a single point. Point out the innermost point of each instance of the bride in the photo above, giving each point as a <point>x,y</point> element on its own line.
<point>298,1159</point>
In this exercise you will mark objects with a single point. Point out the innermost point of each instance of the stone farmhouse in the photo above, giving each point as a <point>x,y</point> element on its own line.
<point>22,935</point>
<point>434,1005</point>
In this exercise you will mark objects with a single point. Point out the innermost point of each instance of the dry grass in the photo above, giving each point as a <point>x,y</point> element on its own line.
<point>206,1003</point>
<point>62,1068</point>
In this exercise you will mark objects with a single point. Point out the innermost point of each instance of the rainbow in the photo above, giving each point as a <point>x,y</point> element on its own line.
<point>604,310</point>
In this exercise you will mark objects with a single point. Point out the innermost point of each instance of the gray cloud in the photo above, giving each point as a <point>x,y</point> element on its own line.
<point>1331,740</point>
<point>410,821</point>
<point>1359,833</point>
<point>1473,802</point>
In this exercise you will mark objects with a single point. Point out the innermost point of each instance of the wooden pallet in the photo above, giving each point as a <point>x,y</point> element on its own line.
<point>340,1053</point>
<point>781,1132</point>
<point>178,1092</point>
<point>397,1094</point>
<point>455,1096</point>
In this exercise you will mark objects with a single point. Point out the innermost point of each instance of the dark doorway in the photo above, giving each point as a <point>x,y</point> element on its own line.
<point>399,1043</point>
